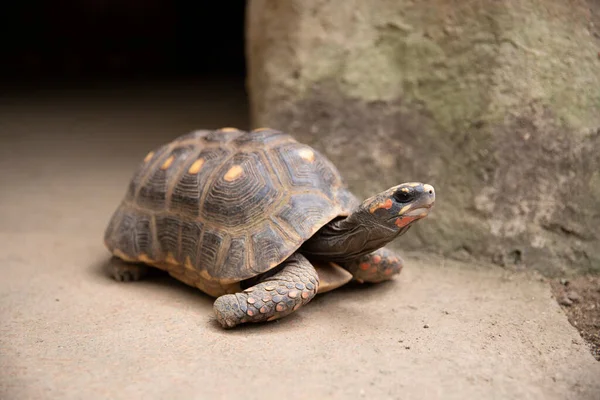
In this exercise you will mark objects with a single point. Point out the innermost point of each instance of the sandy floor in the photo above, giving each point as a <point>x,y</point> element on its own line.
<point>67,331</point>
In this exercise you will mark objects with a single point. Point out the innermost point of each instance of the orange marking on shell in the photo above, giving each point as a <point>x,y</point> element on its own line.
<point>188,263</point>
<point>251,300</point>
<point>376,259</point>
<point>171,259</point>
<point>233,173</point>
<point>250,312</point>
<point>261,129</point>
<point>293,294</point>
<point>149,156</point>
<point>403,221</point>
<point>167,163</point>
<point>266,298</point>
<point>144,258</point>
<point>387,204</point>
<point>387,271</point>
<point>364,266</point>
<point>204,273</point>
<point>305,295</point>
<point>122,255</point>
<point>280,307</point>
<point>229,129</point>
<point>263,310</point>
<point>297,306</point>
<point>307,154</point>
<point>195,167</point>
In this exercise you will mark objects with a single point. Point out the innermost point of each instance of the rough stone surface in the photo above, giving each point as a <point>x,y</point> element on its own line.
<point>68,331</point>
<point>495,103</point>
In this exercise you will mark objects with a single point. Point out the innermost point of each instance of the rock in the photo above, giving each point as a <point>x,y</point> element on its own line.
<point>392,92</point>
<point>574,296</point>
<point>565,301</point>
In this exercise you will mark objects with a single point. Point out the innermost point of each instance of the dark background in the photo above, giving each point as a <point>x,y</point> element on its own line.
<point>97,40</point>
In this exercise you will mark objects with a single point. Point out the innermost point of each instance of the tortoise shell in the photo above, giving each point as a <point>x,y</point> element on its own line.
<point>214,208</point>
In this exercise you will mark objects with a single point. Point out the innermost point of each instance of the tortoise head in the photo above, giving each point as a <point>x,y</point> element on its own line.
<point>374,223</point>
<point>400,206</point>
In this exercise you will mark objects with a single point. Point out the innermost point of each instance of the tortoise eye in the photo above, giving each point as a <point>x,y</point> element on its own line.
<point>403,197</point>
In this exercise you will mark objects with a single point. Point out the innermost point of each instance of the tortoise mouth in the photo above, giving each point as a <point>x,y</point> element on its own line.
<point>417,211</point>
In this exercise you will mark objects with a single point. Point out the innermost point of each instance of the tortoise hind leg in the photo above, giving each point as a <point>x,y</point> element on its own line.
<point>123,271</point>
<point>381,265</point>
<point>274,297</point>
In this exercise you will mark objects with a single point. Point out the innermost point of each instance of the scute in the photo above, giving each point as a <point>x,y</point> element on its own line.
<point>302,171</point>
<point>188,189</point>
<point>240,193</point>
<point>252,202</point>
<point>153,193</point>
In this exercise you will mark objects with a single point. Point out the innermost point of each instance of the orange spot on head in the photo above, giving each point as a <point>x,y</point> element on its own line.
<point>233,173</point>
<point>403,221</point>
<point>229,129</point>
<point>376,259</point>
<point>387,204</point>
<point>195,167</point>
<point>167,163</point>
<point>149,156</point>
<point>364,266</point>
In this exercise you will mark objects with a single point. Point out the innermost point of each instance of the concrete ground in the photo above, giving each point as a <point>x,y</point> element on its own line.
<point>443,330</point>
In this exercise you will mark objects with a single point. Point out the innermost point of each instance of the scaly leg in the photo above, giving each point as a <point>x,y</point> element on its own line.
<point>123,271</point>
<point>274,297</point>
<point>378,266</point>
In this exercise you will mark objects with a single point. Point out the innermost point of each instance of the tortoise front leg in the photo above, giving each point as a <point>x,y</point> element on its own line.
<point>378,266</point>
<point>274,297</point>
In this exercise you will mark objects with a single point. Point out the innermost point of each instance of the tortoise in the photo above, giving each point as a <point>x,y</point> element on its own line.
<point>257,220</point>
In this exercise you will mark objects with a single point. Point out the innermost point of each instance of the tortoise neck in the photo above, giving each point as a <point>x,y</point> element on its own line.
<point>346,239</point>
